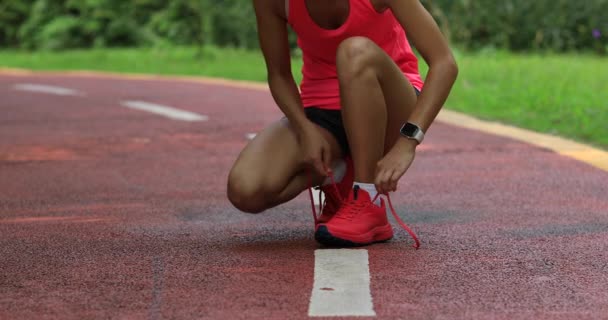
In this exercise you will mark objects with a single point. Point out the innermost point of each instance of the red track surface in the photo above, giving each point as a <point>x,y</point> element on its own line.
<point>107,212</point>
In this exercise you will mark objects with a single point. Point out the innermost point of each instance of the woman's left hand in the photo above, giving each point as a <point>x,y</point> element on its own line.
<point>394,165</point>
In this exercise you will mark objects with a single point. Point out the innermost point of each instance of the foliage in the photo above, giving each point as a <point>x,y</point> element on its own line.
<point>519,25</point>
<point>522,25</point>
<point>12,15</point>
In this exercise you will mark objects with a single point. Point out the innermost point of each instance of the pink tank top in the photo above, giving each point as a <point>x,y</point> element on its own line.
<point>319,87</point>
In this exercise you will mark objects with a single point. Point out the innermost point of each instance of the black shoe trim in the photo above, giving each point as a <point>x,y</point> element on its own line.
<point>324,237</point>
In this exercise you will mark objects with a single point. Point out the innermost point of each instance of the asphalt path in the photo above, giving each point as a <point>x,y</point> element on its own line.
<point>113,205</point>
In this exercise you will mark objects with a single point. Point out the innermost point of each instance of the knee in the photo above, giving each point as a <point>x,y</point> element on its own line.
<point>355,56</point>
<point>245,193</point>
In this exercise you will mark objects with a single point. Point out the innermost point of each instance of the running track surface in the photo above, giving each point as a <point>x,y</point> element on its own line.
<point>110,212</point>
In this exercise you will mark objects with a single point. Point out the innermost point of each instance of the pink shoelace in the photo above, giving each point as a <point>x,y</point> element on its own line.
<point>390,204</point>
<point>321,204</point>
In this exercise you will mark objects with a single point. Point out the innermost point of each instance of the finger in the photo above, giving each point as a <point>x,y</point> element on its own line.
<point>379,168</point>
<point>392,182</point>
<point>318,164</point>
<point>381,181</point>
<point>393,186</point>
<point>395,177</point>
<point>379,188</point>
<point>386,181</point>
<point>390,186</point>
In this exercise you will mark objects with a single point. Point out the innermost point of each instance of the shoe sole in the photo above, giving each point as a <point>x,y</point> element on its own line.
<point>324,237</point>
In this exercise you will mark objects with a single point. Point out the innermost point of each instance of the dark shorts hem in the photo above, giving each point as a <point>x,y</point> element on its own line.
<point>331,120</point>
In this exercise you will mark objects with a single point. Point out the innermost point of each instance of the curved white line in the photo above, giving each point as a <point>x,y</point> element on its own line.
<point>165,111</point>
<point>42,88</point>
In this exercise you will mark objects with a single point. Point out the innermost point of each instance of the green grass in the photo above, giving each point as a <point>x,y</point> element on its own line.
<point>565,95</point>
<point>558,94</point>
<point>212,62</point>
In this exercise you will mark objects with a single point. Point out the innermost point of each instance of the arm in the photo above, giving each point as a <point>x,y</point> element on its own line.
<point>426,37</point>
<point>272,31</point>
<point>428,40</point>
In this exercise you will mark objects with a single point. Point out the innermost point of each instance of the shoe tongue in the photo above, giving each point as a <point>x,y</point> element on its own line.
<point>359,194</point>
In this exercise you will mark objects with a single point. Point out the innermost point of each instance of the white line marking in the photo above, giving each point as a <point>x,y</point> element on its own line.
<point>41,88</point>
<point>341,286</point>
<point>250,136</point>
<point>165,111</point>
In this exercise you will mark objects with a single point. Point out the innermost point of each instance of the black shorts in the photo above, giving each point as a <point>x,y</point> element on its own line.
<point>331,120</point>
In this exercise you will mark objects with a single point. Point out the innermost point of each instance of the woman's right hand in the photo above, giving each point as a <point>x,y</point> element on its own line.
<point>316,149</point>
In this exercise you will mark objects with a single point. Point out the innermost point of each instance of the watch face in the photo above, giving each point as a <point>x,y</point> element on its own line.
<point>409,129</point>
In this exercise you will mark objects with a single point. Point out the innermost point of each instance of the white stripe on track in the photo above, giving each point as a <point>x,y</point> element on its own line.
<point>165,111</point>
<point>251,136</point>
<point>41,88</point>
<point>342,284</point>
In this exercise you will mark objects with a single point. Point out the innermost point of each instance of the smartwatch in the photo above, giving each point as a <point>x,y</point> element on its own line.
<point>412,131</point>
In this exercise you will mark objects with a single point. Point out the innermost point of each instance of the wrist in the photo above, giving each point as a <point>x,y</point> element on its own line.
<point>406,144</point>
<point>412,131</point>
<point>302,125</point>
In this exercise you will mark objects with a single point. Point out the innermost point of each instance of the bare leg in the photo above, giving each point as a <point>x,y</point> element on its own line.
<point>376,100</point>
<point>270,170</point>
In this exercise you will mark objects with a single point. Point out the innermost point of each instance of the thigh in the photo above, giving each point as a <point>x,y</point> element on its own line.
<point>399,95</point>
<point>274,158</point>
<point>271,158</point>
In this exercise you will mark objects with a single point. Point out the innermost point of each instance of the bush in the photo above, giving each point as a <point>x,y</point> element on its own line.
<point>556,25</point>
<point>63,32</point>
<point>63,24</point>
<point>41,13</point>
<point>180,22</point>
<point>234,24</point>
<point>12,15</point>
